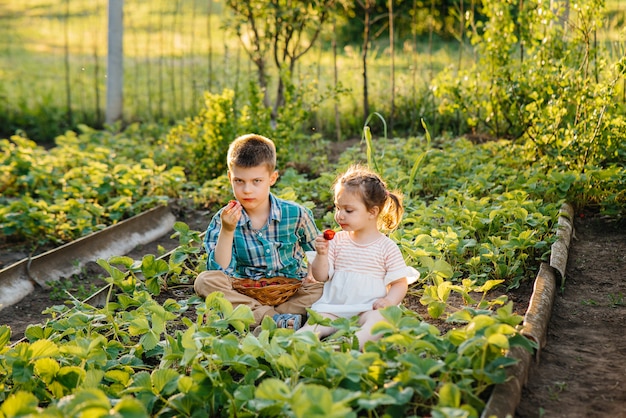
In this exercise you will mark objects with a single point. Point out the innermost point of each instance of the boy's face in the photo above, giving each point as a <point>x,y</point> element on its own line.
<point>251,185</point>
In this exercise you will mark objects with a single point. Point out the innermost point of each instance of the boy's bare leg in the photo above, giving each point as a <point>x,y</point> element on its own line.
<point>211,281</point>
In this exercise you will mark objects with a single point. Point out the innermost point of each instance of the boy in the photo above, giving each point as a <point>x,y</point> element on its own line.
<point>259,236</point>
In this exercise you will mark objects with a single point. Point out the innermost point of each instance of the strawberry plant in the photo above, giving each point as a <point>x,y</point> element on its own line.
<point>75,188</point>
<point>198,356</point>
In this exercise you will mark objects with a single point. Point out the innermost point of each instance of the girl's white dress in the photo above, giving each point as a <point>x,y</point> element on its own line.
<point>359,274</point>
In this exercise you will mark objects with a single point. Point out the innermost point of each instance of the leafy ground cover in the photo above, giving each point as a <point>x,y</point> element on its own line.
<point>479,219</point>
<point>590,308</point>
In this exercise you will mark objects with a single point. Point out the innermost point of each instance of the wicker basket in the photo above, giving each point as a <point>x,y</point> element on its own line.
<point>273,291</point>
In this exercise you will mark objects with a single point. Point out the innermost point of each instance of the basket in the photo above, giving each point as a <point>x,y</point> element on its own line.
<point>273,291</point>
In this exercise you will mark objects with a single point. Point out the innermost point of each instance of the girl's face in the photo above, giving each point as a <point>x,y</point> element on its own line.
<point>251,185</point>
<point>351,213</point>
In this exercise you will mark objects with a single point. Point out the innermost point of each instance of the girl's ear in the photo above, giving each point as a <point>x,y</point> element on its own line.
<point>374,211</point>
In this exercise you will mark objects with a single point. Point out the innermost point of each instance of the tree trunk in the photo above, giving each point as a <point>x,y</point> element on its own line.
<point>366,41</point>
<point>336,82</point>
<point>393,67</point>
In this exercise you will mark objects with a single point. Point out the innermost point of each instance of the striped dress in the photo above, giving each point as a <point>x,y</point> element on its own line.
<point>359,274</point>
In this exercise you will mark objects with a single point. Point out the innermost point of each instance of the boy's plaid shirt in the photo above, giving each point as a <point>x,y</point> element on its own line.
<point>277,249</point>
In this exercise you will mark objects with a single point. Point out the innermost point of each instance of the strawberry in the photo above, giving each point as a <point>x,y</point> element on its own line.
<point>329,234</point>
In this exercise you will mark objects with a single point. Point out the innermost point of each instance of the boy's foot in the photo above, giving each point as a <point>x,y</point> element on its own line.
<point>290,321</point>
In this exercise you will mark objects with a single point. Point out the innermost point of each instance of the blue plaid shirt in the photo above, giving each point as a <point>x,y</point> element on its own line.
<point>277,249</point>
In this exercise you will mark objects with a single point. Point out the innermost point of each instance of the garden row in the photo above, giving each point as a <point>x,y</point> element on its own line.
<point>477,217</point>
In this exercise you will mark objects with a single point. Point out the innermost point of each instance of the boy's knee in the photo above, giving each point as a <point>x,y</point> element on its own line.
<point>210,281</point>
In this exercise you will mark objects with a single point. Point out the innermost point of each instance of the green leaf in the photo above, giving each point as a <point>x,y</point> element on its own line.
<point>489,284</point>
<point>273,389</point>
<point>376,400</point>
<point>85,402</point>
<point>436,309</point>
<point>480,322</point>
<point>165,381</point>
<point>185,384</point>
<point>317,401</point>
<point>498,340</point>
<point>117,376</point>
<point>178,256</point>
<point>129,407</point>
<point>449,395</point>
<point>116,274</point>
<point>393,314</point>
<point>46,369</point>
<point>141,382</point>
<point>42,348</point>
<point>124,261</point>
<point>71,376</point>
<point>443,269</point>
<point>5,336</point>
<point>151,267</point>
<point>139,326</point>
<point>20,404</point>
<point>149,340</point>
<point>93,378</point>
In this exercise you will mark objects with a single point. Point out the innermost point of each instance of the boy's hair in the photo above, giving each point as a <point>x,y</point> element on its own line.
<point>252,150</point>
<point>373,190</point>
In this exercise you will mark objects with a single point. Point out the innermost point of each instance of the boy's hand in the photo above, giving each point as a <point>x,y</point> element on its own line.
<point>231,215</point>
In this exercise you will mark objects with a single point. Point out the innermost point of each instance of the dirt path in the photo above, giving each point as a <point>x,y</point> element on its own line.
<point>582,370</point>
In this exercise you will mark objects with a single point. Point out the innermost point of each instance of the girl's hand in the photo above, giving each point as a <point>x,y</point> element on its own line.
<point>231,215</point>
<point>381,303</point>
<point>321,245</point>
<point>309,279</point>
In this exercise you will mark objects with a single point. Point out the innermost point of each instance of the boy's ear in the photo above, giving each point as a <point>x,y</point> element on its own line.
<point>273,177</point>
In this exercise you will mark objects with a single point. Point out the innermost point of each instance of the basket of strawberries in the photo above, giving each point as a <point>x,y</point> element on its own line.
<point>272,291</point>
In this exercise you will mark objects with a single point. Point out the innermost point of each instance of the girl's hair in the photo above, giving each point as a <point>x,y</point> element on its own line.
<point>252,150</point>
<point>373,190</point>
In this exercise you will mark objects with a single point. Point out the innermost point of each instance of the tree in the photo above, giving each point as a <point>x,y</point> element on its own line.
<point>278,31</point>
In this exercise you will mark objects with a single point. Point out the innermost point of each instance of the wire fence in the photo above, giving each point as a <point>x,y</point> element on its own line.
<point>170,53</point>
<point>53,57</point>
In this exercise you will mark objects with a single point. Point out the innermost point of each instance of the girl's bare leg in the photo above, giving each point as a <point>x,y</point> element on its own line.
<point>319,330</point>
<point>367,321</point>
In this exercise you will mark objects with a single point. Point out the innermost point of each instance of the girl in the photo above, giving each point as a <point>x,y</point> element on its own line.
<point>362,268</point>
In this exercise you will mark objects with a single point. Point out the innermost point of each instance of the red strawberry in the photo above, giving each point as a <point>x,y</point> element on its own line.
<point>329,234</point>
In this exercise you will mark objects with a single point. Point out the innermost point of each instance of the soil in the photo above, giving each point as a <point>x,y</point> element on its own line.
<point>581,372</point>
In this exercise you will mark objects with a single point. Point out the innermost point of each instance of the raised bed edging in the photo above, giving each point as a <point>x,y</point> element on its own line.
<point>19,279</point>
<point>506,396</point>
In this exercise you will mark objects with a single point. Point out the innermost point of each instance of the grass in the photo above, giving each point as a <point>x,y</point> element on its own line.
<point>172,55</point>
<point>174,51</point>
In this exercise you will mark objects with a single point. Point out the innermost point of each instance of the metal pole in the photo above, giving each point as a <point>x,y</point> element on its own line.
<point>115,62</point>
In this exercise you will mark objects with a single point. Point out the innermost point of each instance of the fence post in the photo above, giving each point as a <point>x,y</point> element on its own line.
<point>115,62</point>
